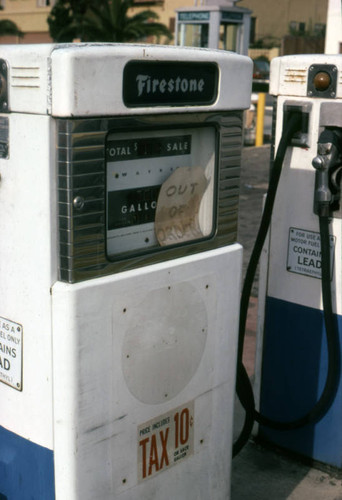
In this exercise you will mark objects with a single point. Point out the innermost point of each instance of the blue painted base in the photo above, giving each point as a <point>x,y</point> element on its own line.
<point>293,376</point>
<point>26,469</point>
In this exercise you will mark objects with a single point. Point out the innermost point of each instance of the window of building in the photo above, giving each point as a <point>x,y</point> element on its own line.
<point>45,3</point>
<point>297,28</point>
<point>301,27</point>
<point>319,29</point>
<point>293,26</point>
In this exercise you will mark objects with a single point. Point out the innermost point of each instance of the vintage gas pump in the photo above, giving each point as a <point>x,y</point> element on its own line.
<point>301,344</point>
<point>119,271</point>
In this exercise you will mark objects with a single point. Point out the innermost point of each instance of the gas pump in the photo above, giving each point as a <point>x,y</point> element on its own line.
<point>119,270</point>
<point>301,395</point>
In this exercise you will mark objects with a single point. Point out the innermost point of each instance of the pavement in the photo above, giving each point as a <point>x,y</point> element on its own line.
<point>259,472</point>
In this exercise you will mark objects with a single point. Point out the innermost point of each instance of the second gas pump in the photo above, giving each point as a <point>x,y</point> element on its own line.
<point>301,394</point>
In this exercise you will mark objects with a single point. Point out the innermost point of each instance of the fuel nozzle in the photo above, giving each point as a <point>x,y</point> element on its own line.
<point>328,165</point>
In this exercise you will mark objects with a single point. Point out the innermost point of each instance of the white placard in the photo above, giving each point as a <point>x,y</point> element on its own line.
<point>11,344</point>
<point>304,253</point>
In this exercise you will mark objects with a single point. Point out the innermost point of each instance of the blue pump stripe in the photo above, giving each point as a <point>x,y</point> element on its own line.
<point>293,377</point>
<point>26,469</point>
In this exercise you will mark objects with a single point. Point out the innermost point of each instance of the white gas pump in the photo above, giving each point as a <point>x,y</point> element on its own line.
<point>119,271</point>
<point>301,344</point>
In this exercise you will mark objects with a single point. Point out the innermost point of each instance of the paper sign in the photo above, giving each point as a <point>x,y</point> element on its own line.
<point>177,212</point>
<point>11,345</point>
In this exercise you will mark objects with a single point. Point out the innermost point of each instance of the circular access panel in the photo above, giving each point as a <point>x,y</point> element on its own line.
<point>164,342</point>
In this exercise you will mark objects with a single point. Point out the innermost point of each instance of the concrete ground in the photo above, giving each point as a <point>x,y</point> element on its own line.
<point>259,473</point>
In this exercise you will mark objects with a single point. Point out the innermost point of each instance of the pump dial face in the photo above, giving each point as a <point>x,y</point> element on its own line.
<point>160,189</point>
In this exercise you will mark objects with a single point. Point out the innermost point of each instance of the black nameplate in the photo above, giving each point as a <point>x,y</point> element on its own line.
<point>155,83</point>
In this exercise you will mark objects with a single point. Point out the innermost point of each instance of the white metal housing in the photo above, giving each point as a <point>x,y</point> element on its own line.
<point>122,374</point>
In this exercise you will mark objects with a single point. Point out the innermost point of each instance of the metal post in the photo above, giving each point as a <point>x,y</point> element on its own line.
<point>259,135</point>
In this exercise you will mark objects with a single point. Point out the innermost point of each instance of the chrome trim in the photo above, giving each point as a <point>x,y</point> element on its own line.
<point>81,176</point>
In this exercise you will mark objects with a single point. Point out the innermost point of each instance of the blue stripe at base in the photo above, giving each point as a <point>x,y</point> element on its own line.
<point>26,469</point>
<point>293,376</point>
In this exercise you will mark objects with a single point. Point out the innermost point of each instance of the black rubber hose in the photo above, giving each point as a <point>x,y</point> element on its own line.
<point>293,126</point>
<point>246,396</point>
<point>243,386</point>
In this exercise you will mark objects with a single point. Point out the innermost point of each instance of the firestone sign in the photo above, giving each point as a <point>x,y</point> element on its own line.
<point>172,83</point>
<point>148,85</point>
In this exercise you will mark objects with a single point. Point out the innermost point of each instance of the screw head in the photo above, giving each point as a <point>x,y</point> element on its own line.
<point>78,202</point>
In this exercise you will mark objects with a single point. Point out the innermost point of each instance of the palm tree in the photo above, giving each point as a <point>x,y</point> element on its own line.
<point>65,19</point>
<point>108,21</point>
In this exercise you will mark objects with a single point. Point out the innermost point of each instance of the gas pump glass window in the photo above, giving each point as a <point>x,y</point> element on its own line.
<point>194,35</point>
<point>160,189</point>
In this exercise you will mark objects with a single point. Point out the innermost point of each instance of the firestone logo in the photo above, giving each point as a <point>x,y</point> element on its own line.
<point>148,85</point>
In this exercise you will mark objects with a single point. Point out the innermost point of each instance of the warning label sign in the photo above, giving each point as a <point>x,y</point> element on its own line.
<point>11,353</point>
<point>165,441</point>
<point>304,253</point>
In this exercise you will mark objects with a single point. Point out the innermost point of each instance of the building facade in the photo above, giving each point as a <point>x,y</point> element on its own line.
<point>30,16</point>
<point>271,21</point>
<point>274,20</point>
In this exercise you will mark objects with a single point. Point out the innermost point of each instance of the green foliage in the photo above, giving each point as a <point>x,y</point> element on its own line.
<point>65,19</point>
<point>267,42</point>
<point>8,27</point>
<point>59,21</point>
<point>103,21</point>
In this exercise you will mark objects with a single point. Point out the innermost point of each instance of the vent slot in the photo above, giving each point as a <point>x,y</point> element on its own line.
<point>25,76</point>
<point>295,75</point>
